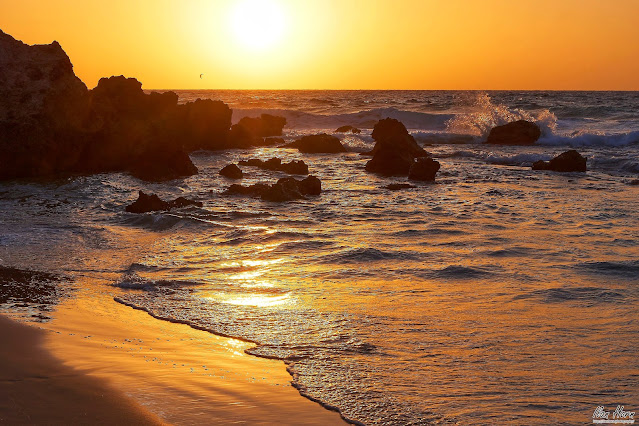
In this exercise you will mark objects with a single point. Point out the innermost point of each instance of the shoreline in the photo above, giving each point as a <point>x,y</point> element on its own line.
<point>180,374</point>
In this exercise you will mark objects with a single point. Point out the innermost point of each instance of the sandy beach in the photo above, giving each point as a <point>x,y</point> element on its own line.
<point>38,388</point>
<point>98,354</point>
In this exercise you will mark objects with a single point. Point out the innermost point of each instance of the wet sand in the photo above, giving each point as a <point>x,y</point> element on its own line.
<point>37,388</point>
<point>182,375</point>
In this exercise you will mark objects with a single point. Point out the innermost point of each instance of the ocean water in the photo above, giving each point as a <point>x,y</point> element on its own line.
<point>497,294</point>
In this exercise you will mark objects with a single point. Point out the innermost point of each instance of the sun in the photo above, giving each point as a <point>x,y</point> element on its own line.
<point>257,24</point>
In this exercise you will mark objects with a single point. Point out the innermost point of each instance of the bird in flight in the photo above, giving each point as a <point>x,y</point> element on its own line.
<point>201,75</point>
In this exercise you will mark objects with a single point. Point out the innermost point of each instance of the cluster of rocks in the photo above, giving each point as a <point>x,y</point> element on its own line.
<point>396,153</point>
<point>293,167</point>
<point>151,202</point>
<point>51,124</point>
<point>285,189</point>
<point>524,132</point>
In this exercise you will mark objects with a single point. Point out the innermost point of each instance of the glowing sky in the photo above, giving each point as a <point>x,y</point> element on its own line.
<point>341,44</point>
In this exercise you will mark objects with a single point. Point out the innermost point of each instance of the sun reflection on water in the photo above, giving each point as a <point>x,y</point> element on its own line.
<point>257,300</point>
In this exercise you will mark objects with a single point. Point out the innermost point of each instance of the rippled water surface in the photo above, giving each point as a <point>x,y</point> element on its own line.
<point>495,295</point>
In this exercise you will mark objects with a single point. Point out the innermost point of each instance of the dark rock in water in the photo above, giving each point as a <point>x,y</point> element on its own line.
<point>285,189</point>
<point>391,134</point>
<point>295,167</point>
<point>388,162</point>
<point>232,172</point>
<point>147,203</point>
<point>423,169</point>
<point>520,132</point>
<point>203,124</point>
<point>251,131</point>
<point>346,129</point>
<point>569,161</point>
<point>310,186</point>
<point>161,165</point>
<point>180,202</point>
<point>395,149</point>
<point>634,182</point>
<point>399,186</point>
<point>151,202</point>
<point>318,144</point>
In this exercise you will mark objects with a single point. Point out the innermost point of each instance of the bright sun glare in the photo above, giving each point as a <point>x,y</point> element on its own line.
<point>257,24</point>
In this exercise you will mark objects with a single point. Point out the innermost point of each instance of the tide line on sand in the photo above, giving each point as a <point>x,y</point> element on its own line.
<point>177,373</point>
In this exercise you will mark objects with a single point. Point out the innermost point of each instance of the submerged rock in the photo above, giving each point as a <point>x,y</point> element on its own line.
<point>569,161</point>
<point>318,144</point>
<point>294,167</point>
<point>151,202</point>
<point>346,129</point>
<point>285,189</point>
<point>395,149</point>
<point>520,132</point>
<point>399,186</point>
<point>232,172</point>
<point>423,169</point>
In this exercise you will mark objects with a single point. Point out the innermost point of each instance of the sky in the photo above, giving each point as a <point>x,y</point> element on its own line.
<point>341,44</point>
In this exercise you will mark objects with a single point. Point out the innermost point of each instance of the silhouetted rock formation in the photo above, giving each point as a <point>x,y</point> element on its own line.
<point>232,172</point>
<point>318,144</point>
<point>399,186</point>
<point>295,167</point>
<point>135,132</point>
<point>286,189</point>
<point>346,129</point>
<point>42,110</point>
<point>395,149</point>
<point>520,132</point>
<point>150,203</point>
<point>569,161</point>
<point>423,169</point>
<point>50,124</point>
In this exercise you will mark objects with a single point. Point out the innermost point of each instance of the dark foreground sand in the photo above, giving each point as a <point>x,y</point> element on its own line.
<point>36,388</point>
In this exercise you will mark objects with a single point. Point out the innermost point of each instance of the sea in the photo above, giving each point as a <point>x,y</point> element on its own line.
<point>494,295</point>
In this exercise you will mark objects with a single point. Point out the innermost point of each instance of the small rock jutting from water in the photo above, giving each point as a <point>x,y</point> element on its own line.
<point>285,189</point>
<point>569,161</point>
<point>151,202</point>
<point>519,132</point>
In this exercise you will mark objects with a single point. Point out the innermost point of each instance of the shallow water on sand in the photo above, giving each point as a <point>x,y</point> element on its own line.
<point>496,294</point>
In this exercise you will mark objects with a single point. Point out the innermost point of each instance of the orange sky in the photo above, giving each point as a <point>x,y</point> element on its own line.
<point>342,44</point>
